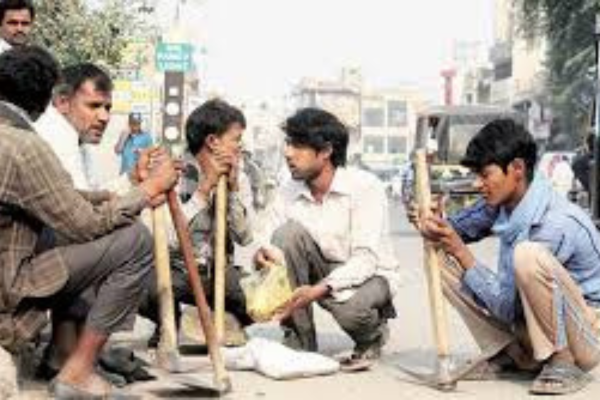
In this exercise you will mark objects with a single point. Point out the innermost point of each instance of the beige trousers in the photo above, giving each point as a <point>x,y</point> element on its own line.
<point>555,314</point>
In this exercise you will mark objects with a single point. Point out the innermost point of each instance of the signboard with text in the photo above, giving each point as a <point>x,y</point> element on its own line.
<point>175,57</point>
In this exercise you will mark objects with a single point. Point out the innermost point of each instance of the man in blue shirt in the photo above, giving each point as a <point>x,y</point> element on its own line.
<point>540,308</point>
<point>131,142</point>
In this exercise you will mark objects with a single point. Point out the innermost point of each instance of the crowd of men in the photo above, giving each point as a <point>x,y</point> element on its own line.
<point>74,249</point>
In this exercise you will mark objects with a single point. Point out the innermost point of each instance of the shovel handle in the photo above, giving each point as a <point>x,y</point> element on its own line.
<point>167,348</point>
<point>220,256</point>
<point>179,221</point>
<point>432,259</point>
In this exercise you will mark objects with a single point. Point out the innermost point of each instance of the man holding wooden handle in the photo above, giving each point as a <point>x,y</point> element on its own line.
<point>109,254</point>
<point>539,311</point>
<point>213,132</point>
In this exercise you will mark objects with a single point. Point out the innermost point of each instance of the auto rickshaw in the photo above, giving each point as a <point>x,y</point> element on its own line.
<point>445,132</point>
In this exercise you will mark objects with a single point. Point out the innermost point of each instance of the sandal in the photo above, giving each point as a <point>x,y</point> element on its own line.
<point>356,363</point>
<point>499,367</point>
<point>560,378</point>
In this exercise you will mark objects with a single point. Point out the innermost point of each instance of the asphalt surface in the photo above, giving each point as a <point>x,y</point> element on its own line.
<point>410,344</point>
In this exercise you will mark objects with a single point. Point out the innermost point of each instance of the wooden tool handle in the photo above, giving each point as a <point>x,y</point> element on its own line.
<point>167,348</point>
<point>220,257</point>
<point>432,259</point>
<point>221,377</point>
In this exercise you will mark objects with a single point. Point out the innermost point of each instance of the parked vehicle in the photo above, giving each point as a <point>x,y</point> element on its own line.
<point>445,132</point>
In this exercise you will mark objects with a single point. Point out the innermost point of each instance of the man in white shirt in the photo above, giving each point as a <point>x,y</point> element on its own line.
<point>331,235</point>
<point>16,21</point>
<point>77,117</point>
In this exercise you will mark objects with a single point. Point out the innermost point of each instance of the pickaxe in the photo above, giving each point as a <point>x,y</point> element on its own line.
<point>445,377</point>
<point>221,378</point>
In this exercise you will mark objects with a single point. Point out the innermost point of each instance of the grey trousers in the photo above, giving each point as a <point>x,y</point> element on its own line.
<point>362,317</point>
<point>235,301</point>
<point>105,281</point>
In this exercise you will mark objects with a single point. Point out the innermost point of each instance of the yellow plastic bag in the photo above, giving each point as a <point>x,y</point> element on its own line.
<point>266,290</point>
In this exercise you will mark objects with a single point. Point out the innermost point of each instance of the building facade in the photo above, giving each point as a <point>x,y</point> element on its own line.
<point>381,121</point>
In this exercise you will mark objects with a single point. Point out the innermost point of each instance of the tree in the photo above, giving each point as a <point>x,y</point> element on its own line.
<point>76,32</point>
<point>568,27</point>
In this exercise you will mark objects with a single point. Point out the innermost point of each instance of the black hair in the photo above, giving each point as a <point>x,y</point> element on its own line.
<point>213,117</point>
<point>27,76</point>
<point>9,5</point>
<point>589,141</point>
<point>500,142</point>
<point>74,76</point>
<point>318,129</point>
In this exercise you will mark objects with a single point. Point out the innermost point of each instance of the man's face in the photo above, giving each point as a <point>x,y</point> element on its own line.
<point>304,162</point>
<point>498,187</point>
<point>16,26</point>
<point>88,111</point>
<point>231,140</point>
<point>135,127</point>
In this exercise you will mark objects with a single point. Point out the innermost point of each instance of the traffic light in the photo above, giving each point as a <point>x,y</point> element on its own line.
<point>172,128</point>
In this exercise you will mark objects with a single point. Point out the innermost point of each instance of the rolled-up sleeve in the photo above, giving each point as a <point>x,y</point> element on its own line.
<point>238,221</point>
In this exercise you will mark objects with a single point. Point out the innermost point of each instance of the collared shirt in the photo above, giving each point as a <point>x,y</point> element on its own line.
<point>76,158</point>
<point>36,192</point>
<point>200,213</point>
<point>4,46</point>
<point>349,225</point>
<point>564,228</point>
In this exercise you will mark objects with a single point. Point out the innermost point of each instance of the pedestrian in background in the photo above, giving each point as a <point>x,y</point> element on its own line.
<point>131,142</point>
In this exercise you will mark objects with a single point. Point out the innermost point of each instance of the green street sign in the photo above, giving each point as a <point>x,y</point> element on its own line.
<point>174,57</point>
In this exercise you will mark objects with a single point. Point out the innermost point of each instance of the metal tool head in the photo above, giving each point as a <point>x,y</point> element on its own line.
<point>223,386</point>
<point>168,361</point>
<point>192,385</point>
<point>445,377</point>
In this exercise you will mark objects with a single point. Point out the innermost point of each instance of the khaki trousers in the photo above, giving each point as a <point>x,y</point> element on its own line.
<point>555,315</point>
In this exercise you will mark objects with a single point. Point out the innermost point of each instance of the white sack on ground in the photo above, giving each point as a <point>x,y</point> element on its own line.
<point>277,361</point>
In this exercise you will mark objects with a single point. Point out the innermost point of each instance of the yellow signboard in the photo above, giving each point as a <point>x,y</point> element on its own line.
<point>133,96</point>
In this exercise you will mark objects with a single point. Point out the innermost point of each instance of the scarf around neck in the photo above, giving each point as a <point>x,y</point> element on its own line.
<point>515,228</point>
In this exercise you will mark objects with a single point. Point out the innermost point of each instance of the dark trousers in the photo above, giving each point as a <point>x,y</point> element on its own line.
<point>235,301</point>
<point>105,281</point>
<point>362,316</point>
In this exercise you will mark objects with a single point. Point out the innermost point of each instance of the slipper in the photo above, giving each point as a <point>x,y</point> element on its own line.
<point>124,364</point>
<point>356,363</point>
<point>499,367</point>
<point>560,378</point>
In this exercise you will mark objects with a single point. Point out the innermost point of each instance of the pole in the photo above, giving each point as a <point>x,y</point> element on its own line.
<point>595,178</point>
